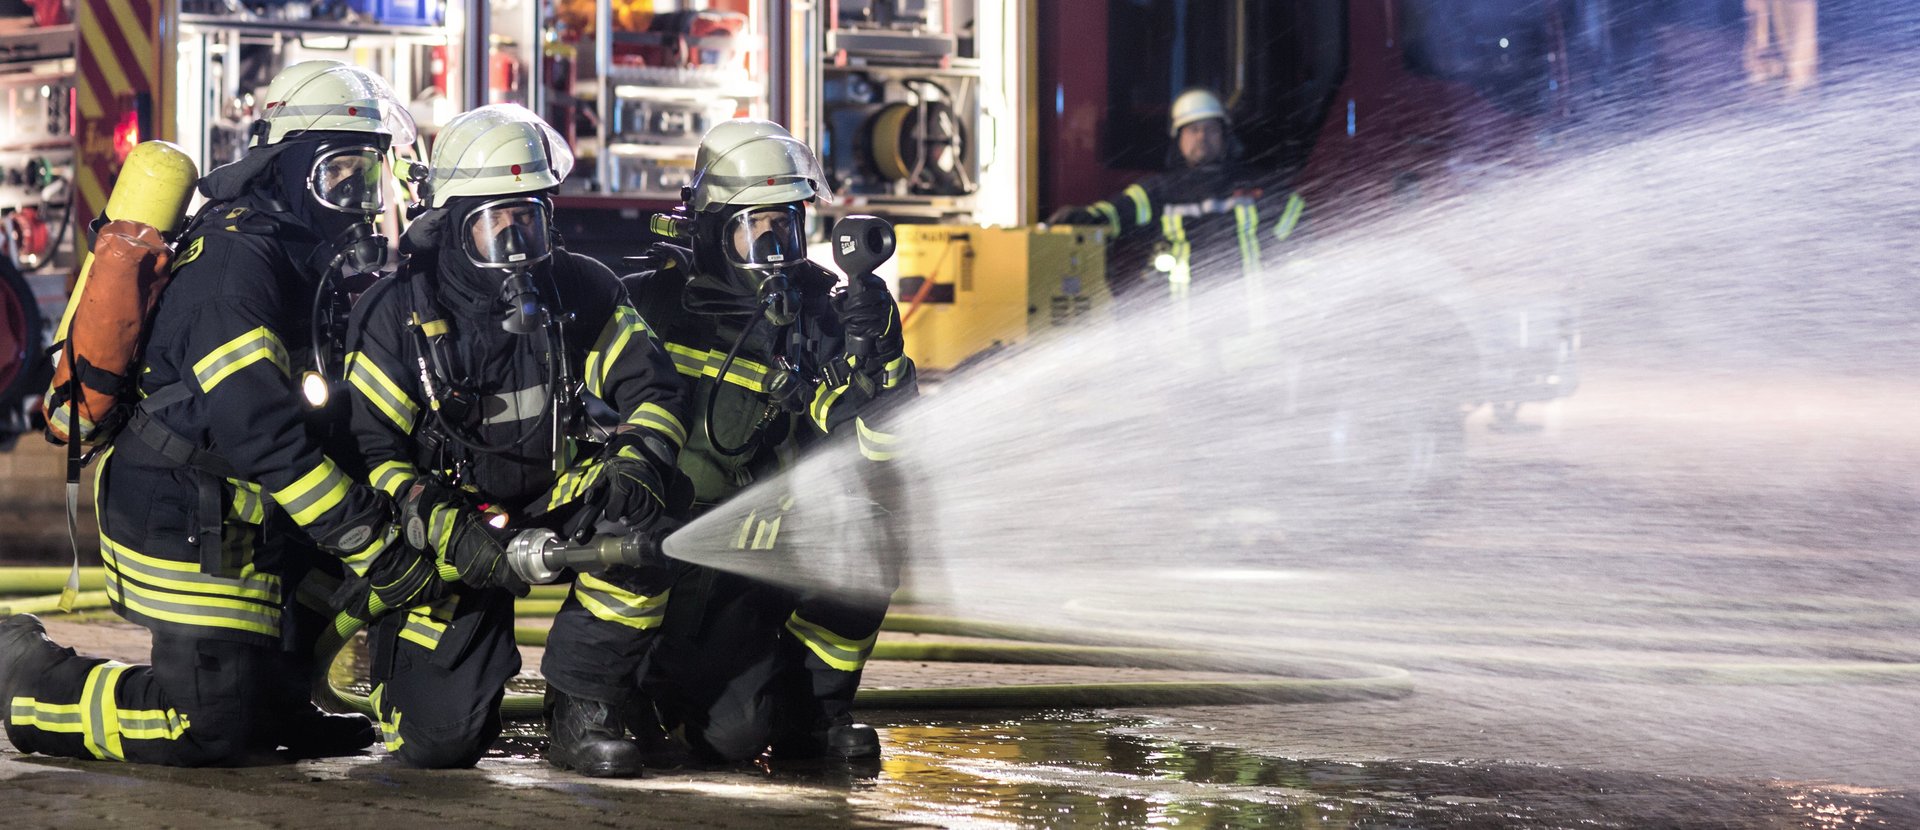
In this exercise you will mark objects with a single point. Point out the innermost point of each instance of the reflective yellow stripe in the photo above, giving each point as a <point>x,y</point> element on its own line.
<point>192,252</point>
<point>100,714</point>
<point>823,401</point>
<point>422,629</point>
<point>239,353</point>
<point>571,484</point>
<point>61,417</point>
<point>614,339</point>
<point>1290,217</point>
<point>896,371</point>
<point>168,575</point>
<point>190,610</point>
<point>1247,227</point>
<point>702,363</point>
<point>876,445</point>
<point>656,417</point>
<point>1142,206</point>
<point>362,559</point>
<point>248,504</point>
<point>392,477</point>
<point>834,650</point>
<point>440,527</point>
<point>1106,209</point>
<point>47,717</point>
<point>389,729</point>
<point>1175,230</point>
<point>746,529</point>
<point>153,724</point>
<point>313,494</point>
<point>386,396</point>
<point>768,533</point>
<point>614,604</point>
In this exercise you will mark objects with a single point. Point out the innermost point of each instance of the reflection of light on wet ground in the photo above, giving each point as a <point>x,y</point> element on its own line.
<point>1071,772</point>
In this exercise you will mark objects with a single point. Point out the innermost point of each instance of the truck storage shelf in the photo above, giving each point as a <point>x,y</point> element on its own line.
<point>37,44</point>
<point>433,34</point>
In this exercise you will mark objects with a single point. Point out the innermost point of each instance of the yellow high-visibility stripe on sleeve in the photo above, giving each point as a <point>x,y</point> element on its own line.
<point>824,398</point>
<point>239,353</point>
<point>1290,217</point>
<point>1112,214</point>
<point>1142,206</point>
<point>656,417</point>
<point>1247,227</point>
<point>379,389</point>
<point>615,338</point>
<point>391,477</point>
<point>308,498</point>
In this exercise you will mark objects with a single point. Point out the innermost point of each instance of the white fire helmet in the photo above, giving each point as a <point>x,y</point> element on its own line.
<point>328,95</point>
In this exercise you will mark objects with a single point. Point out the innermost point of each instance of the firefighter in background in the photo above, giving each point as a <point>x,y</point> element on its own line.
<point>219,505</point>
<point>776,363</point>
<point>480,445</point>
<point>1206,205</point>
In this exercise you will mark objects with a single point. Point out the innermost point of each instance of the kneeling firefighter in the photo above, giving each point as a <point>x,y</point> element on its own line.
<point>466,376</point>
<point>776,363</point>
<point>218,502</point>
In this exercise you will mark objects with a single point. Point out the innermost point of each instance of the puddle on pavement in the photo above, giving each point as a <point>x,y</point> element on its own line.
<point>1073,769</point>
<point>1080,770</point>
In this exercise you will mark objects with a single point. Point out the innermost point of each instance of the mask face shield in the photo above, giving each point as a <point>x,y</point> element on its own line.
<point>765,238</point>
<point>349,180</point>
<point>507,233</point>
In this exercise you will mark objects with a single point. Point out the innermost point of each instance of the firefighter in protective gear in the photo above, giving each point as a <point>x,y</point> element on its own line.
<point>463,378</point>
<point>1169,222</point>
<point>764,344</point>
<point>223,516</point>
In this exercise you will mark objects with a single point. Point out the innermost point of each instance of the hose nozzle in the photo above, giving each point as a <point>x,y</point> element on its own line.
<point>538,556</point>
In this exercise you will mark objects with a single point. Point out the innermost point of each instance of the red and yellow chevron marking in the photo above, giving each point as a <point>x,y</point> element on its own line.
<point>119,58</point>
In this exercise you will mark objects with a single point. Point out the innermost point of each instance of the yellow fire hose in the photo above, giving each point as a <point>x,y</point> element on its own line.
<point>1328,680</point>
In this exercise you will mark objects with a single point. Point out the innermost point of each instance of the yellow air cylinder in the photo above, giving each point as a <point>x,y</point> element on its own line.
<point>156,182</point>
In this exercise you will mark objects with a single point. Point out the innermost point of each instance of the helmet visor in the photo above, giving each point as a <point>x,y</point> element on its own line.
<point>507,233</point>
<point>350,180</point>
<point>762,238</point>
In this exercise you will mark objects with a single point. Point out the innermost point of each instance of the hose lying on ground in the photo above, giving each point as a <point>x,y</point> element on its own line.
<point>1301,678</point>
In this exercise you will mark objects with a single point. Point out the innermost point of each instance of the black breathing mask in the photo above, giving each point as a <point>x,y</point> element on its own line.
<point>508,238</point>
<point>761,245</point>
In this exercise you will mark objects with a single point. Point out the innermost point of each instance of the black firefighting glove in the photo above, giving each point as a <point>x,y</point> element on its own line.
<point>1071,215</point>
<point>442,520</point>
<point>399,577</point>
<point>631,488</point>
<point>663,256</point>
<point>871,320</point>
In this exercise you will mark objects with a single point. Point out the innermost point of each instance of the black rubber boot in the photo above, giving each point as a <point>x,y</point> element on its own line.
<point>316,734</point>
<point>588,738</point>
<point>837,737</point>
<point>26,653</point>
<point>852,741</point>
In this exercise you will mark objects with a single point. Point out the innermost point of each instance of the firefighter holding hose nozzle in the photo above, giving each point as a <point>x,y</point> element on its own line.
<point>776,362</point>
<point>471,374</point>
